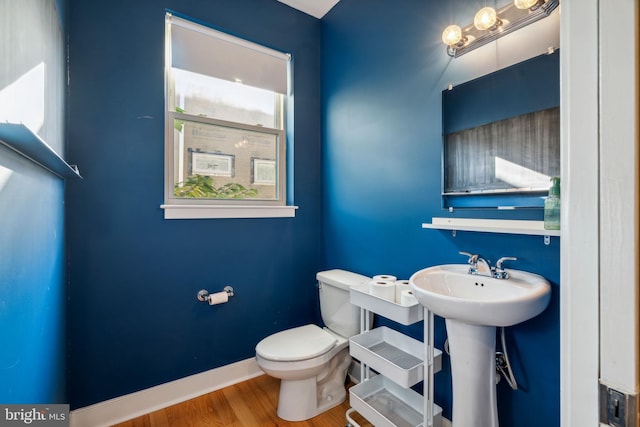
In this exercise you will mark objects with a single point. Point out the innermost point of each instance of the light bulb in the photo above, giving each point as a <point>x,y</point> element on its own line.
<point>525,4</point>
<point>452,35</point>
<point>485,18</point>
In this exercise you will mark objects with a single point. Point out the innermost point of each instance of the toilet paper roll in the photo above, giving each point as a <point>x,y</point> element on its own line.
<point>385,277</point>
<point>218,298</point>
<point>401,285</point>
<point>407,298</point>
<point>384,289</point>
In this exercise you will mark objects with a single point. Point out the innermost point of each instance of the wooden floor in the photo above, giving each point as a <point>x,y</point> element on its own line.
<point>248,404</point>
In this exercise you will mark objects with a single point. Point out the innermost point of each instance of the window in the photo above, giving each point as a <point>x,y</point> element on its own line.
<point>225,122</point>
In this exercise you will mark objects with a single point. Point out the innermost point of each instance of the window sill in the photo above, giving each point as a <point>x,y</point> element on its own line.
<point>222,211</point>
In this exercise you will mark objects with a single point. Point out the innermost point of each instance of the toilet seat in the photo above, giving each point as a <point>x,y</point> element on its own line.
<point>301,343</point>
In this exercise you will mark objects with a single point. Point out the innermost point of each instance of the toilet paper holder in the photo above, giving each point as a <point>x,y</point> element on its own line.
<point>203,294</point>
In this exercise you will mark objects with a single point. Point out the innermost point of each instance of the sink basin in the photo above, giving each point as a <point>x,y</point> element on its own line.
<point>451,292</point>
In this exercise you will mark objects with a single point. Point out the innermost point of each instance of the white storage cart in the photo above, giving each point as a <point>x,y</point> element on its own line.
<point>386,399</point>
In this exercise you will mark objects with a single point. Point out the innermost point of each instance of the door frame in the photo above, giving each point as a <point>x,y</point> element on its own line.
<point>599,243</point>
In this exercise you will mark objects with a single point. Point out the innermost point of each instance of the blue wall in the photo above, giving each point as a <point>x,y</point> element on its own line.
<point>32,226</point>
<point>383,69</point>
<point>32,285</point>
<point>134,321</point>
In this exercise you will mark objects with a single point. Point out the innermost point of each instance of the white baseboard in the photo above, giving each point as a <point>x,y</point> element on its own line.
<point>133,405</point>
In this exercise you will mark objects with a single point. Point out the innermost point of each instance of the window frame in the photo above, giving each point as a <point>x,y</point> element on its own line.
<point>191,208</point>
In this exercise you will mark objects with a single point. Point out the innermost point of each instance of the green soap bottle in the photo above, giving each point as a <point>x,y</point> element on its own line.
<point>552,206</point>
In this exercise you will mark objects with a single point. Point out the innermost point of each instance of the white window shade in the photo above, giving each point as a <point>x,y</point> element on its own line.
<point>199,49</point>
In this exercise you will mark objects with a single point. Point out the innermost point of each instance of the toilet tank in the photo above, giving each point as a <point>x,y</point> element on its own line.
<point>337,312</point>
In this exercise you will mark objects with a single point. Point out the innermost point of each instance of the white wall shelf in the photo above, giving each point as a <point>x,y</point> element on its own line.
<point>535,228</point>
<point>22,140</point>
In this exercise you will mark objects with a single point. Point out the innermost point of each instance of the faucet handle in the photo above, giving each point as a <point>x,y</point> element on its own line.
<point>473,261</point>
<point>498,271</point>
<point>473,258</point>
<point>503,259</point>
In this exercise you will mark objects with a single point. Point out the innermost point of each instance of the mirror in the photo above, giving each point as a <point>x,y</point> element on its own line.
<point>501,136</point>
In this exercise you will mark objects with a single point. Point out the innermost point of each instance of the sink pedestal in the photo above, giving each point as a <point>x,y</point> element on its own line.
<point>473,374</point>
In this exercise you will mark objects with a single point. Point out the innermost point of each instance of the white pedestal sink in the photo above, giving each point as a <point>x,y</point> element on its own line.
<point>473,306</point>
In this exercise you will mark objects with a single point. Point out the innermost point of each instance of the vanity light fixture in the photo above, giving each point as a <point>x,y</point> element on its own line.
<point>490,24</point>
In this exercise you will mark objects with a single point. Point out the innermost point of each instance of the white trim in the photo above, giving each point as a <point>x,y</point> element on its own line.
<point>579,330</point>
<point>618,196</point>
<point>136,404</point>
<point>224,211</point>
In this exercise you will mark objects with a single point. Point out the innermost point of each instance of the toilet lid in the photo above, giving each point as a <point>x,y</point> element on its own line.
<point>304,342</point>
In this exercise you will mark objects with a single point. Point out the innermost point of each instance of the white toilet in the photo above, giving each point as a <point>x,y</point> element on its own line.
<point>312,362</point>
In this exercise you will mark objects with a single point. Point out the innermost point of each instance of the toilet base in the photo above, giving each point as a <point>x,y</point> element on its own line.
<point>301,400</point>
<point>298,400</point>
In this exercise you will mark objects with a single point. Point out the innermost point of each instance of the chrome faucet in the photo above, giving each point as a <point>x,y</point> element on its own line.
<point>473,261</point>
<point>498,271</point>
<point>486,270</point>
